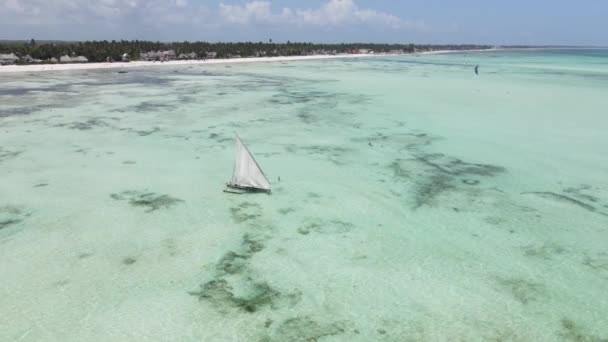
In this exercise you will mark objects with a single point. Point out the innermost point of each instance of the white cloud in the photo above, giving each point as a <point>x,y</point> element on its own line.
<point>333,13</point>
<point>255,11</point>
<point>178,19</point>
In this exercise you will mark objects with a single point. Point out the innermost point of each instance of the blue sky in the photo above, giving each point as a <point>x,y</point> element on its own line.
<point>583,22</point>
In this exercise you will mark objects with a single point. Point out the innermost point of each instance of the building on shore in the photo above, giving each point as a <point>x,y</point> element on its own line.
<point>211,54</point>
<point>6,59</point>
<point>77,59</point>
<point>169,55</point>
<point>161,56</point>
<point>28,59</point>
<point>125,58</point>
<point>80,59</point>
<point>188,56</point>
<point>149,56</point>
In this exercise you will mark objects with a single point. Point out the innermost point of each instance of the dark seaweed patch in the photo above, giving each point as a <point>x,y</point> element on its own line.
<point>129,261</point>
<point>87,125</point>
<point>220,139</point>
<point>305,230</point>
<point>148,200</point>
<point>523,290</point>
<point>232,263</point>
<point>84,255</point>
<point>103,80</point>
<point>407,141</point>
<point>545,251</point>
<point>154,202</point>
<point>434,174</point>
<point>61,283</point>
<point>10,210</point>
<point>245,211</point>
<point>578,192</point>
<point>285,211</point>
<point>427,190</point>
<point>326,227</point>
<point>17,111</point>
<point>218,290</point>
<point>561,198</point>
<point>262,295</point>
<point>9,222</point>
<point>305,329</point>
<point>6,154</point>
<point>252,244</point>
<point>149,106</point>
<point>310,102</point>
<point>144,133</point>
<point>59,88</point>
<point>259,294</point>
<point>573,332</point>
<point>11,215</point>
<point>597,263</point>
<point>220,293</point>
<point>457,167</point>
<point>329,152</point>
<point>494,220</point>
<point>338,226</point>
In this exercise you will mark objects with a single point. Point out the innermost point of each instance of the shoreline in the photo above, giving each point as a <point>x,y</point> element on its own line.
<point>140,64</point>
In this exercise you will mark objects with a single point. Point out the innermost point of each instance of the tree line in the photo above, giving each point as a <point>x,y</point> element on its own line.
<point>98,51</point>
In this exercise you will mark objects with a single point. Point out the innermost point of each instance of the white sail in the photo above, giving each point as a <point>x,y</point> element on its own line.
<point>247,172</point>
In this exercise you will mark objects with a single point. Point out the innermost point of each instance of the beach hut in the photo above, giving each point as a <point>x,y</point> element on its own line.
<point>29,59</point>
<point>188,56</point>
<point>125,57</point>
<point>65,59</point>
<point>10,58</point>
<point>79,59</point>
<point>169,55</point>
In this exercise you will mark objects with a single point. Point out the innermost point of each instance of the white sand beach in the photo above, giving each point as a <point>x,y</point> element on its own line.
<point>137,64</point>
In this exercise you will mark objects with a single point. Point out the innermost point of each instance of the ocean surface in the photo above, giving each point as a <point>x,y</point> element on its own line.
<point>412,200</point>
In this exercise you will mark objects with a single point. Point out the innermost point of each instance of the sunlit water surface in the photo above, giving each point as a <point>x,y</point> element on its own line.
<point>417,201</point>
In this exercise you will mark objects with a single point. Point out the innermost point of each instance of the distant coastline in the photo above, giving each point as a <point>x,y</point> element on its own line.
<point>240,60</point>
<point>20,68</point>
<point>28,53</point>
<point>143,64</point>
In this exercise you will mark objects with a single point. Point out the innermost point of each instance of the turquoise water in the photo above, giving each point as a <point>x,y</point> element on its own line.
<point>416,202</point>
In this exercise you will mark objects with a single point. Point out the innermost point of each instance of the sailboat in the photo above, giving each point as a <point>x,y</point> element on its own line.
<point>247,176</point>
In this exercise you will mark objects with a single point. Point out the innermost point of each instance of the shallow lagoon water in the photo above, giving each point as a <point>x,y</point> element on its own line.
<point>416,202</point>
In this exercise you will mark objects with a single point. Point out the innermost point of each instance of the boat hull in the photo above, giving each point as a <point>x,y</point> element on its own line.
<point>231,188</point>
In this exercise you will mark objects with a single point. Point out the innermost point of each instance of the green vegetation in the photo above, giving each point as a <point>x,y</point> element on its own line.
<point>99,51</point>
